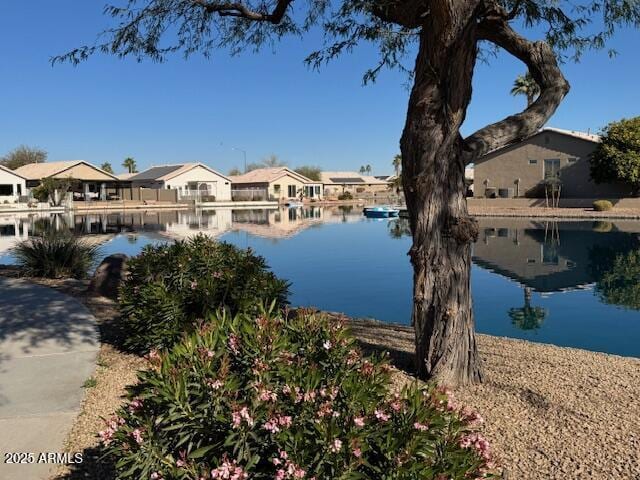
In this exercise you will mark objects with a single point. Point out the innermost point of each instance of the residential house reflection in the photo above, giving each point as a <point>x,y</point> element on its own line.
<point>276,223</point>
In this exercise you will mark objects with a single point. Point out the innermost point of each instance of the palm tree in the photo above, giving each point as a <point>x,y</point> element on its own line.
<point>527,317</point>
<point>368,169</point>
<point>106,166</point>
<point>397,164</point>
<point>527,86</point>
<point>362,170</point>
<point>130,164</point>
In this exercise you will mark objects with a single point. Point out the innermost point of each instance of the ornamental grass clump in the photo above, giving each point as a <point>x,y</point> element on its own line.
<point>270,396</point>
<point>56,255</point>
<point>602,205</point>
<point>170,288</point>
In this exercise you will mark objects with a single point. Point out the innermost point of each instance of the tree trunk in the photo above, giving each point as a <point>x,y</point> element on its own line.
<point>433,177</point>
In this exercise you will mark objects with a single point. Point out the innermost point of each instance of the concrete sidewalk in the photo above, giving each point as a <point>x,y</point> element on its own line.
<point>48,347</point>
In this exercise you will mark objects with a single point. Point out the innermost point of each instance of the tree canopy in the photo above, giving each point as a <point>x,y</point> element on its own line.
<point>527,86</point>
<point>130,164</point>
<point>617,157</point>
<point>445,39</point>
<point>106,166</point>
<point>23,155</point>
<point>309,171</point>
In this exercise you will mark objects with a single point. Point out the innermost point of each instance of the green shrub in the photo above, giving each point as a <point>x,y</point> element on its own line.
<point>267,397</point>
<point>602,205</point>
<point>56,255</point>
<point>345,196</point>
<point>172,287</point>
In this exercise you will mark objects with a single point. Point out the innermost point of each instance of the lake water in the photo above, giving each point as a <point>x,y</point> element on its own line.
<point>570,283</point>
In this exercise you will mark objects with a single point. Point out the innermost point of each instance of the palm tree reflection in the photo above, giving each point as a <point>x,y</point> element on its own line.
<point>527,317</point>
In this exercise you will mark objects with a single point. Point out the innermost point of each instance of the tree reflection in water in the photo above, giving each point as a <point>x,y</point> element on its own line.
<point>527,317</point>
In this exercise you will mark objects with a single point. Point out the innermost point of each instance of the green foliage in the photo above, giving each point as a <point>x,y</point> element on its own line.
<point>23,155</point>
<point>52,189</point>
<point>156,29</point>
<point>106,166</point>
<point>130,164</point>
<point>620,283</point>
<point>171,287</point>
<point>267,397</point>
<point>235,171</point>
<point>56,255</point>
<point>310,171</point>
<point>602,205</point>
<point>345,196</point>
<point>617,157</point>
<point>272,161</point>
<point>527,86</point>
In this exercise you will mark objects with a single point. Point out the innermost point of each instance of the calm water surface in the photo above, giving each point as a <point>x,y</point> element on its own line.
<point>563,282</point>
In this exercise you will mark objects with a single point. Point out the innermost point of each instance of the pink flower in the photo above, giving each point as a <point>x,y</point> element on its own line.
<point>135,405</point>
<point>238,416</point>
<point>267,395</point>
<point>229,470</point>
<point>357,452</point>
<point>156,476</point>
<point>137,435</point>
<point>336,445</point>
<point>358,421</point>
<point>215,384</point>
<point>381,415</point>
<point>234,343</point>
<point>194,285</point>
<point>326,345</point>
<point>422,427</point>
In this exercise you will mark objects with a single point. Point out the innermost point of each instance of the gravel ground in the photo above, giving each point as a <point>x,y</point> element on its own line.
<point>550,412</point>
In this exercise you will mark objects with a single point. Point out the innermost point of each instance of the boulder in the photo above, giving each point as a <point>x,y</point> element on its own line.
<point>109,274</point>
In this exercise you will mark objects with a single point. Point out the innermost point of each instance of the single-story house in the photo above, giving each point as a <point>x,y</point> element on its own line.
<point>91,182</point>
<point>278,183</point>
<point>191,180</point>
<point>12,185</point>
<point>336,183</point>
<point>521,169</point>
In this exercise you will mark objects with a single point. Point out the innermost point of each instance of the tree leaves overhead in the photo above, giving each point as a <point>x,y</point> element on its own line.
<point>155,29</point>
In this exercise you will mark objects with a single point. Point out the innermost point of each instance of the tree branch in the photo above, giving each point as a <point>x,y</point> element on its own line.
<point>541,60</point>
<point>403,13</point>
<point>233,9</point>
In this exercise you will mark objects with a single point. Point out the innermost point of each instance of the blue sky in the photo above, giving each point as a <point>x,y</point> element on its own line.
<point>196,110</point>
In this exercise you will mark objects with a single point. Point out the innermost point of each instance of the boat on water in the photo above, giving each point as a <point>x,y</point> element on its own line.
<point>381,211</point>
<point>294,204</point>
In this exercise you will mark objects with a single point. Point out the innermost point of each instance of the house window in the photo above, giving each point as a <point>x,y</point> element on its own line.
<point>291,191</point>
<point>551,168</point>
<point>6,190</point>
<point>533,162</point>
<point>19,189</point>
<point>317,189</point>
<point>572,159</point>
<point>276,188</point>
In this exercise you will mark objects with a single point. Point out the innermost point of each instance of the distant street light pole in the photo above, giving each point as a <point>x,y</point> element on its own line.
<point>244,152</point>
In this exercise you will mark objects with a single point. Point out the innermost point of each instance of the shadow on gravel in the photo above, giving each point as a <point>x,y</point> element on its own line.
<point>94,466</point>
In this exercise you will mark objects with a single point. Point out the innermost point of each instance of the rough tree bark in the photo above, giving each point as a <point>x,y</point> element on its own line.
<point>434,156</point>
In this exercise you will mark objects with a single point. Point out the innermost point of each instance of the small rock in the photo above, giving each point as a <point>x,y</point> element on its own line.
<point>109,274</point>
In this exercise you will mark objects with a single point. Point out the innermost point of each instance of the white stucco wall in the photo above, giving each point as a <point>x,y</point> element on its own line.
<point>16,182</point>
<point>219,186</point>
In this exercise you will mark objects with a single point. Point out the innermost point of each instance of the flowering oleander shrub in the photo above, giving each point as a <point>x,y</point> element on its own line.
<point>267,397</point>
<point>172,287</point>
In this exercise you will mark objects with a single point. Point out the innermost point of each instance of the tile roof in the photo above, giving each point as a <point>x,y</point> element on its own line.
<point>268,175</point>
<point>36,171</point>
<point>574,133</point>
<point>155,173</point>
<point>340,178</point>
<point>8,170</point>
<point>167,172</point>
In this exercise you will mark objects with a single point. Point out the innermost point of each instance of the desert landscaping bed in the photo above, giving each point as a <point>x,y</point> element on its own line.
<point>550,412</point>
